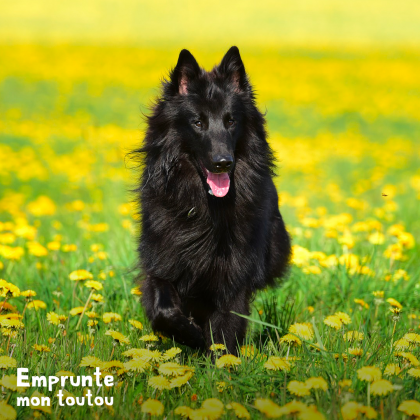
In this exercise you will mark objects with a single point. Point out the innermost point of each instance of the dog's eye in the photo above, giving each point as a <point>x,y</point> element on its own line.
<point>198,124</point>
<point>231,122</point>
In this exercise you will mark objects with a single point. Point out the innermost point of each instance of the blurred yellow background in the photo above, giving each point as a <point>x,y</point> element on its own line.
<point>213,24</point>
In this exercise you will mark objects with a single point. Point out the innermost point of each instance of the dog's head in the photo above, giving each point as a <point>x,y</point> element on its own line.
<point>208,112</point>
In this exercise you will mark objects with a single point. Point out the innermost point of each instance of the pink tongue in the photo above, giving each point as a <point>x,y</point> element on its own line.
<point>219,183</point>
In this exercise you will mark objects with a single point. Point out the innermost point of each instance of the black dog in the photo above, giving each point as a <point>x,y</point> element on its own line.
<point>212,233</point>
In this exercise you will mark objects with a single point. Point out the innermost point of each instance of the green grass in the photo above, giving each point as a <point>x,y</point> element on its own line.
<point>66,137</point>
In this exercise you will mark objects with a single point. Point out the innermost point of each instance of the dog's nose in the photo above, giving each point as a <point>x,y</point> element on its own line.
<point>222,163</point>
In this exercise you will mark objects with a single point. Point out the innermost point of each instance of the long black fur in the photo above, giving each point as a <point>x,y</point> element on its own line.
<point>204,256</point>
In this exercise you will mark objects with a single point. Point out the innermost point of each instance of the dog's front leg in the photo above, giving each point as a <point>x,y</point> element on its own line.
<point>224,327</point>
<point>163,308</point>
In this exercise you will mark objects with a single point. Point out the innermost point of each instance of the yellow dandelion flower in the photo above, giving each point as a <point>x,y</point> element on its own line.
<point>406,240</point>
<point>7,332</point>
<point>91,361</point>
<point>44,408</point>
<point>392,369</point>
<point>144,354</point>
<point>394,251</point>
<point>410,407</point>
<point>290,340</point>
<point>7,362</point>
<point>357,351</point>
<point>228,360</point>
<point>111,316</point>
<point>398,275</point>
<point>396,311</point>
<point>362,303</point>
<point>181,380</point>
<point>56,319</point>
<point>37,304</point>
<point>7,307</point>
<point>351,410</point>
<point>298,388</point>
<point>80,275</point>
<point>137,365</point>
<point>184,411</point>
<point>345,383</point>
<point>240,411</point>
<point>152,407</point>
<point>277,363</point>
<point>317,383</point>
<point>159,382</point>
<point>312,269</point>
<point>12,253</point>
<point>415,373</point>
<point>54,245</point>
<point>28,293</point>
<point>332,260</point>
<point>7,411</point>
<point>64,373</point>
<point>97,297</point>
<point>136,324</point>
<point>351,261</point>
<point>381,387</point>
<point>369,373</point>
<point>217,347</point>
<point>333,321</point>
<point>149,337</point>
<point>394,303</point>
<point>8,289</point>
<point>91,314</point>
<point>10,382</point>
<point>408,356</point>
<point>221,386</point>
<point>311,414</point>
<point>295,407</point>
<point>173,369</point>
<point>412,338</point>
<point>401,344</point>
<point>344,318</point>
<point>369,412</point>
<point>76,311</point>
<point>36,249</point>
<point>353,336</point>
<point>171,353</point>
<point>300,256</point>
<point>376,238</point>
<point>42,348</point>
<point>92,323</point>
<point>212,408</point>
<point>117,336</point>
<point>303,331</point>
<point>65,394</point>
<point>379,294</point>
<point>269,408</point>
<point>112,365</point>
<point>11,323</point>
<point>248,351</point>
<point>92,284</point>
<point>136,291</point>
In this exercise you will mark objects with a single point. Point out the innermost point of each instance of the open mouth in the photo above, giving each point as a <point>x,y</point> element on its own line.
<point>219,183</point>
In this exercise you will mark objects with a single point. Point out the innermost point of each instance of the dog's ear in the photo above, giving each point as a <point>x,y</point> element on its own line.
<point>185,70</point>
<point>233,68</point>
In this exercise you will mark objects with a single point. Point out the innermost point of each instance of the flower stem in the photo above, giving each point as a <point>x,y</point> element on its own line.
<point>84,310</point>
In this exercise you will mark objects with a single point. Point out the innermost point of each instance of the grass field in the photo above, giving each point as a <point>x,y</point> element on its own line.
<point>339,340</point>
